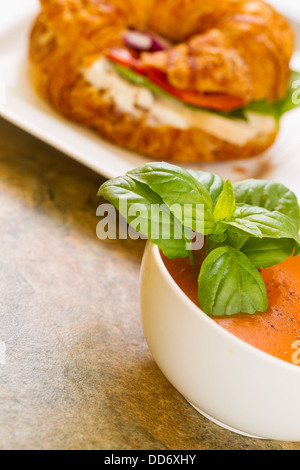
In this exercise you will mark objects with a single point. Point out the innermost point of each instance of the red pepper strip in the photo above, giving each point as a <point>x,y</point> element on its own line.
<point>215,101</point>
<point>123,57</point>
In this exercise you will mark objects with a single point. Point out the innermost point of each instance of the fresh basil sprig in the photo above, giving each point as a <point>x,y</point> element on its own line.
<point>248,225</point>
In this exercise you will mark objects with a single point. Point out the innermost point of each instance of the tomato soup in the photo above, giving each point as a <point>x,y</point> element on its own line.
<point>276,331</point>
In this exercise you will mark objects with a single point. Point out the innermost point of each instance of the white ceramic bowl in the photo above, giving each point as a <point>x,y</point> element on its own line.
<point>227,380</point>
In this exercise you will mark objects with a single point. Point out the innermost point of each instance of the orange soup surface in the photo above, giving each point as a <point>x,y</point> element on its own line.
<point>276,331</point>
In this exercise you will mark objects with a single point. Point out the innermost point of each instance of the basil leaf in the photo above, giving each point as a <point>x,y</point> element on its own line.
<point>186,197</point>
<point>131,197</point>
<point>263,253</point>
<point>269,195</point>
<point>225,207</point>
<point>219,236</point>
<point>296,250</point>
<point>244,227</point>
<point>234,239</point>
<point>271,224</point>
<point>229,284</point>
<point>213,183</point>
<point>268,252</point>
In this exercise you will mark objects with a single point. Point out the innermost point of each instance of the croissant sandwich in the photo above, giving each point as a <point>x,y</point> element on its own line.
<point>180,80</point>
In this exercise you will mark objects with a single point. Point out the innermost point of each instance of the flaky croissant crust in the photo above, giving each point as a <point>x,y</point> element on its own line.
<point>237,47</point>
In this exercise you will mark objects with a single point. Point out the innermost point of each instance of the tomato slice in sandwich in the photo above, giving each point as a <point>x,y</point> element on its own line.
<point>214,101</point>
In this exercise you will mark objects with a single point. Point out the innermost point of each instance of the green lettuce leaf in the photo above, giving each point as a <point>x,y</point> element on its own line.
<point>282,106</point>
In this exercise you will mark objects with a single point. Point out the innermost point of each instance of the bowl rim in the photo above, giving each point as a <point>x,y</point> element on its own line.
<point>204,317</point>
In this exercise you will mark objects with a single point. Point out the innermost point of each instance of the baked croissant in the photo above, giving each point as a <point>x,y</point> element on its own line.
<point>186,99</point>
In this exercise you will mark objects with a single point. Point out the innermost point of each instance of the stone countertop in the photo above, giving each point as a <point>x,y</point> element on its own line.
<point>78,373</point>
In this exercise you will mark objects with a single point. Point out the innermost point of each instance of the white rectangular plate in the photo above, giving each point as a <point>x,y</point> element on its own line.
<point>28,111</point>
